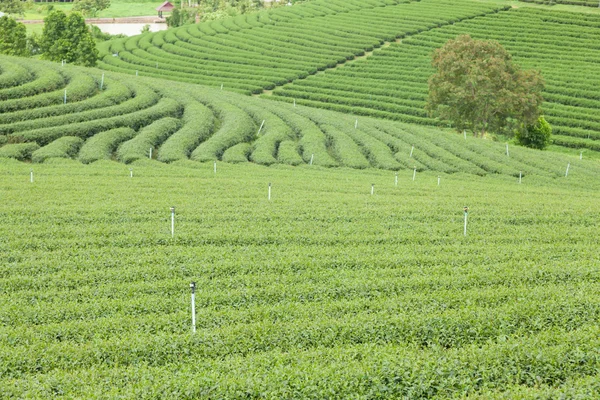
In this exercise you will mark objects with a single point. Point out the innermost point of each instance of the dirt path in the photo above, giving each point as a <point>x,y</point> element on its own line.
<point>152,19</point>
<point>355,59</point>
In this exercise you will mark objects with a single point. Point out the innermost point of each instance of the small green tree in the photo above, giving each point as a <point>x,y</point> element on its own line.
<point>13,37</point>
<point>13,7</point>
<point>477,87</point>
<point>536,136</point>
<point>181,16</point>
<point>90,8</point>
<point>68,38</point>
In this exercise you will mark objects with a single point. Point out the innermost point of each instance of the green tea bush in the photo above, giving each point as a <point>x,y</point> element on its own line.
<point>198,123</point>
<point>149,137</point>
<point>102,145</point>
<point>237,153</point>
<point>64,147</point>
<point>19,151</point>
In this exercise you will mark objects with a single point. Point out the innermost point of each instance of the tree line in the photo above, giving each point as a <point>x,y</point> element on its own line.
<point>65,37</point>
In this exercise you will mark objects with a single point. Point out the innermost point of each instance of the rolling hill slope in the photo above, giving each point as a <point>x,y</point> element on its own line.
<point>372,58</point>
<point>50,111</point>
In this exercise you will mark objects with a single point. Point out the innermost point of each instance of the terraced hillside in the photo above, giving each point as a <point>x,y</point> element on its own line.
<point>254,52</point>
<point>392,83</point>
<point>49,111</point>
<point>373,58</point>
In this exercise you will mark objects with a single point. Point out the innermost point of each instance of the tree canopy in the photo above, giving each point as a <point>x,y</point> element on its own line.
<point>90,8</point>
<point>13,37</point>
<point>68,38</point>
<point>477,87</point>
<point>12,6</point>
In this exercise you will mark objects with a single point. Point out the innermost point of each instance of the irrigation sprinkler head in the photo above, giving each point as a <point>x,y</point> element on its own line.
<point>269,184</point>
<point>172,210</point>
<point>466,209</point>
<point>193,286</point>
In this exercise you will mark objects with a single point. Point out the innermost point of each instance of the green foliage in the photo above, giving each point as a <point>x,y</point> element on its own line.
<point>90,8</point>
<point>476,86</point>
<point>65,147</point>
<point>149,137</point>
<point>102,145</point>
<point>19,151</point>
<point>536,136</point>
<point>68,38</point>
<point>324,292</point>
<point>13,7</point>
<point>181,16</point>
<point>13,37</point>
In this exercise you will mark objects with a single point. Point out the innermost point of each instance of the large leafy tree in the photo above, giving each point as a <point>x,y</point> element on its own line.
<point>13,37</point>
<point>12,6</point>
<point>68,38</point>
<point>90,8</point>
<point>477,87</point>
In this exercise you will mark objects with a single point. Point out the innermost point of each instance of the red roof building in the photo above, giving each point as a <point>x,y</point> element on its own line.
<point>164,7</point>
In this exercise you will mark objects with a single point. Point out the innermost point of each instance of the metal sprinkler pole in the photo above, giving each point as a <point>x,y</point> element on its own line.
<point>466,210</point>
<point>193,287</point>
<point>372,189</point>
<point>172,221</point>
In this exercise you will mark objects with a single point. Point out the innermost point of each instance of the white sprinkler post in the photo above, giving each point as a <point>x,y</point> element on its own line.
<point>261,126</point>
<point>581,155</point>
<point>65,97</point>
<point>372,189</point>
<point>414,173</point>
<point>411,151</point>
<point>567,171</point>
<point>131,172</point>
<point>269,191</point>
<point>102,82</point>
<point>221,86</point>
<point>136,72</point>
<point>215,167</point>
<point>172,221</point>
<point>294,102</point>
<point>439,180</point>
<point>465,134</point>
<point>312,157</point>
<point>466,210</point>
<point>520,176</point>
<point>193,287</point>
<point>396,180</point>
<point>150,154</point>
<point>31,176</point>
<point>356,124</point>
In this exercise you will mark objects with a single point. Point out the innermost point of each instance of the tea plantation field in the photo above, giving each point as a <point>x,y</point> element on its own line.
<point>325,291</point>
<point>51,111</point>
<point>373,57</point>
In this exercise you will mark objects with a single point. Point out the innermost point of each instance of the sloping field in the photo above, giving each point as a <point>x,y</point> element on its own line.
<point>49,111</point>
<point>392,83</point>
<point>253,52</point>
<point>313,54</point>
<point>326,291</point>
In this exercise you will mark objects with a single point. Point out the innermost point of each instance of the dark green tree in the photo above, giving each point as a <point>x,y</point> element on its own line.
<point>13,7</point>
<point>536,136</point>
<point>90,8</point>
<point>69,39</point>
<point>13,37</point>
<point>477,87</point>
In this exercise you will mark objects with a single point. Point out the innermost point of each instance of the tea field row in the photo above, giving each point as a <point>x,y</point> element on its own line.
<point>53,111</point>
<point>259,51</point>
<point>392,82</point>
<point>324,291</point>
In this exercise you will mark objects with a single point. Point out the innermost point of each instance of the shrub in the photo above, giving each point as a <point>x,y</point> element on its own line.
<point>537,136</point>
